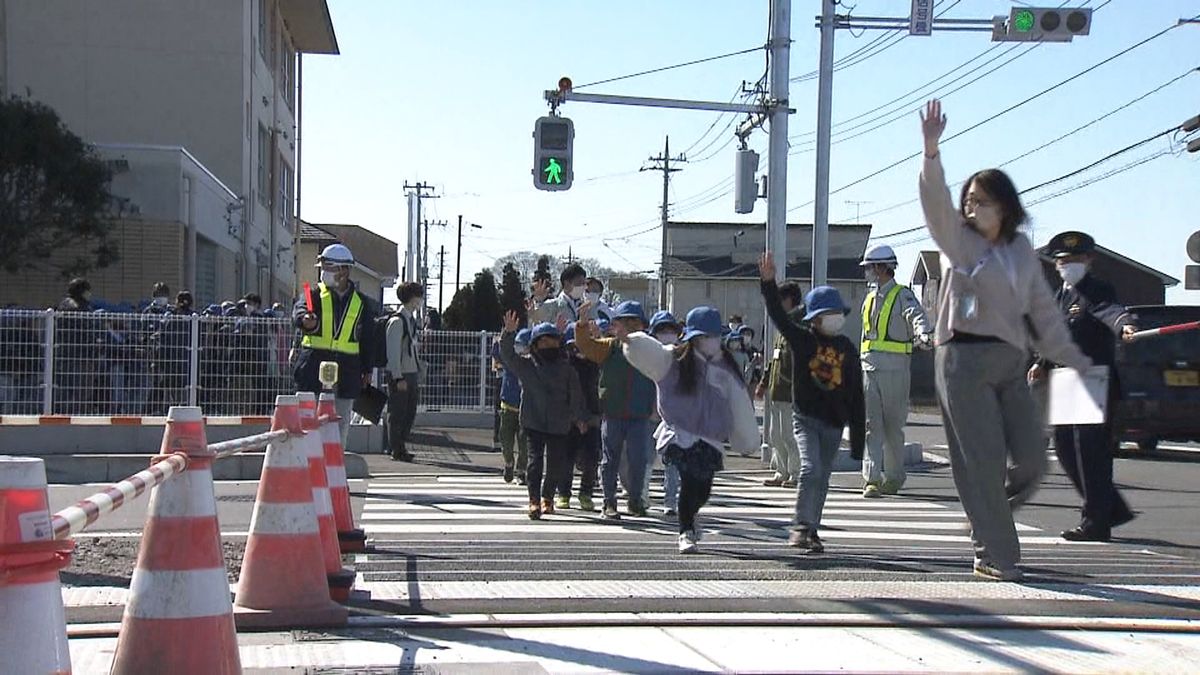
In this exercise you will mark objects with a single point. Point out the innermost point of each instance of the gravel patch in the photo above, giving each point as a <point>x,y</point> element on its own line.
<point>107,561</point>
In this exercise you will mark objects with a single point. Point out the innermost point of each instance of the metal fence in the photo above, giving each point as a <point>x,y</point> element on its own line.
<point>94,364</point>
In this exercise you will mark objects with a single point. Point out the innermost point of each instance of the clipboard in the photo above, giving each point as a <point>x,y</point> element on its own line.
<point>1078,398</point>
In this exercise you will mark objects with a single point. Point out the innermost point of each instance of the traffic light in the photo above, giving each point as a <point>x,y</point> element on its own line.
<point>745,187</point>
<point>1042,24</point>
<point>553,142</point>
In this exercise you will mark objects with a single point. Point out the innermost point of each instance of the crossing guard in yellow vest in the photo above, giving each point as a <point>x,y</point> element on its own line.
<point>893,323</point>
<point>335,321</point>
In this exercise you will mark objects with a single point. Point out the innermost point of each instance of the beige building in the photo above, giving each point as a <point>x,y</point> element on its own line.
<point>716,264</point>
<point>217,79</point>
<point>377,265</point>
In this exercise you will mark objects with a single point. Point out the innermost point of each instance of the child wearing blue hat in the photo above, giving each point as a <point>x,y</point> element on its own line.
<point>827,396</point>
<point>510,433</point>
<point>703,404</point>
<point>551,405</point>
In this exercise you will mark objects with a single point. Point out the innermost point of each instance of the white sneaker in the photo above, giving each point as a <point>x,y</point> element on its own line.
<point>687,542</point>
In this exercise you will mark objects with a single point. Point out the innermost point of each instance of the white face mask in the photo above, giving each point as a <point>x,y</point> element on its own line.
<point>708,346</point>
<point>576,293</point>
<point>252,308</point>
<point>593,297</point>
<point>872,276</point>
<point>668,338</point>
<point>831,324</point>
<point>328,278</point>
<point>1073,272</point>
<point>413,304</point>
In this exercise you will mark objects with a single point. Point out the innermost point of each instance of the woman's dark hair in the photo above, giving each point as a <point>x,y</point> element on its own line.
<point>162,289</point>
<point>686,356</point>
<point>78,287</point>
<point>999,187</point>
<point>410,290</point>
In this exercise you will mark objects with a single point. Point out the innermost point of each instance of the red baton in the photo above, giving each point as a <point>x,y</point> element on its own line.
<point>1166,330</point>
<point>308,297</point>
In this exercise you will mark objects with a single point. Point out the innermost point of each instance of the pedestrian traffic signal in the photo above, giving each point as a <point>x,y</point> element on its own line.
<point>553,143</point>
<point>1042,24</point>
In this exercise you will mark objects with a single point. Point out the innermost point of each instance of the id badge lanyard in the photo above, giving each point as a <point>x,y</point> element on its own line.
<point>970,302</point>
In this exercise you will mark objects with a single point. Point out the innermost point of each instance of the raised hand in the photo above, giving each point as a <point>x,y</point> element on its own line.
<point>766,267</point>
<point>933,123</point>
<point>561,323</point>
<point>510,321</point>
<point>585,310</point>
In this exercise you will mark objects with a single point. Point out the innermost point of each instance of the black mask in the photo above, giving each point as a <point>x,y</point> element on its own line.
<point>549,354</point>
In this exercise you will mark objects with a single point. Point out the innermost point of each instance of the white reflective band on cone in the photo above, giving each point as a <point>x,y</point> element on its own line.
<point>190,494</point>
<point>33,633</point>
<point>284,519</point>
<point>183,594</point>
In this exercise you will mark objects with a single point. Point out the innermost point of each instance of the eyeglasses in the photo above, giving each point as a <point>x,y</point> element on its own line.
<point>974,202</point>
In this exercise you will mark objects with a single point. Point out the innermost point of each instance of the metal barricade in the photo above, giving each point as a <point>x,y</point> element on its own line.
<point>459,376</point>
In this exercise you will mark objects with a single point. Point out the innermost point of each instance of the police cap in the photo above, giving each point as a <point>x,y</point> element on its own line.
<point>1070,243</point>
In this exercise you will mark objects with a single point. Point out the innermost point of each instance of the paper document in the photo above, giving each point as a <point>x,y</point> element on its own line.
<point>1078,398</point>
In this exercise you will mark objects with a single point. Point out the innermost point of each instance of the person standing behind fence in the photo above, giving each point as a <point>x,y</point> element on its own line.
<point>627,399</point>
<point>776,392</point>
<point>336,322</point>
<point>551,404</point>
<point>74,360</point>
<point>403,370</point>
<point>994,302</point>
<point>893,322</point>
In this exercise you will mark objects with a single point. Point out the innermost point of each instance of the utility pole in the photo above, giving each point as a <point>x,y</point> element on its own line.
<point>663,163</point>
<point>857,209</point>
<point>416,194</point>
<point>425,253</point>
<point>820,242</point>
<point>458,256</point>
<point>441,274</point>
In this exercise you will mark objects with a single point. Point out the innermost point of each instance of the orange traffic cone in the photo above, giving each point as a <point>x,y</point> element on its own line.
<point>33,627</point>
<point>350,539</point>
<point>179,618</point>
<point>283,572</point>
<point>340,579</point>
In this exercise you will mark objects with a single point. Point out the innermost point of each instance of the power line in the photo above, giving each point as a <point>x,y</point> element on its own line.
<point>672,67</point>
<point>1100,161</point>
<point>1007,110</point>
<point>1104,176</point>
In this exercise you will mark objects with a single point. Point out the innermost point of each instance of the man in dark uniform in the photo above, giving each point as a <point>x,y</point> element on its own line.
<point>336,322</point>
<point>1086,451</point>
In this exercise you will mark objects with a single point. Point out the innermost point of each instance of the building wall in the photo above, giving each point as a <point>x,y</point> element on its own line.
<point>151,251</point>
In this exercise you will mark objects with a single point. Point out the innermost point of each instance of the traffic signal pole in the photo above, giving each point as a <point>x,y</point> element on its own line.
<point>820,235</point>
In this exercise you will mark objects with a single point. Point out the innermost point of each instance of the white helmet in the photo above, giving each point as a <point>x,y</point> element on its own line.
<point>336,254</point>
<point>880,254</point>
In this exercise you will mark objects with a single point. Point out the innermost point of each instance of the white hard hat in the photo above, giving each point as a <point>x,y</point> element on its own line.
<point>880,254</point>
<point>336,254</point>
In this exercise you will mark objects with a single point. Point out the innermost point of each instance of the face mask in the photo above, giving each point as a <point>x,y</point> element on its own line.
<point>413,304</point>
<point>576,293</point>
<point>328,278</point>
<point>159,301</point>
<point>1072,273</point>
<point>872,276</point>
<point>708,346</point>
<point>831,324</point>
<point>521,350</point>
<point>593,297</point>
<point>549,354</point>
<point>668,338</point>
<point>87,295</point>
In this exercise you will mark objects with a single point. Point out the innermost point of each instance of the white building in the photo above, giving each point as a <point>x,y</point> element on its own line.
<point>216,80</point>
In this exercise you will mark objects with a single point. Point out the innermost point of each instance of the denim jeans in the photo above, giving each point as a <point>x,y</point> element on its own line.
<point>630,439</point>
<point>818,442</point>
<point>670,487</point>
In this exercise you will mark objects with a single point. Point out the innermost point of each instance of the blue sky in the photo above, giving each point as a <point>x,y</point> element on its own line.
<point>447,93</point>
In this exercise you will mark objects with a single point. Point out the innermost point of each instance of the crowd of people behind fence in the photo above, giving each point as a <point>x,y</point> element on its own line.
<point>135,359</point>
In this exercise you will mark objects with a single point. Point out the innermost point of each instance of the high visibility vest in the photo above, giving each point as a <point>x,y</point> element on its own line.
<point>881,343</point>
<point>343,340</point>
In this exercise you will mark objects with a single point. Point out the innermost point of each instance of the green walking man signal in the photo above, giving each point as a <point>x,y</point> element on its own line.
<point>553,142</point>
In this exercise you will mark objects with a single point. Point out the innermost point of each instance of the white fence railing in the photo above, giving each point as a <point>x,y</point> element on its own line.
<point>106,363</point>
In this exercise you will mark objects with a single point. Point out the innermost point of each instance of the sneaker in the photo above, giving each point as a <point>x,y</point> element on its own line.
<point>987,570</point>
<point>547,506</point>
<point>636,509</point>
<point>871,491</point>
<point>668,511</point>
<point>610,512</point>
<point>535,511</point>
<point>774,481</point>
<point>888,487</point>
<point>799,539</point>
<point>814,543</point>
<point>586,503</point>
<point>789,484</point>
<point>562,502</point>
<point>1087,533</point>
<point>687,542</point>
<point>508,473</point>
<point>521,479</point>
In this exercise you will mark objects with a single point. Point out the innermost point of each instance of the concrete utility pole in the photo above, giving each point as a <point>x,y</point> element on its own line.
<point>458,256</point>
<point>663,164</point>
<point>425,253</point>
<point>820,243</point>
<point>441,274</point>
<point>414,247</point>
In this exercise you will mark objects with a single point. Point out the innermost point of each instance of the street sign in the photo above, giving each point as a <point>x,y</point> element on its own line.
<point>920,19</point>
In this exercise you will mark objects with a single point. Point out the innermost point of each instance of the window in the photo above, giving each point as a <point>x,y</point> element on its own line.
<point>264,153</point>
<point>284,207</point>
<point>264,27</point>
<point>287,70</point>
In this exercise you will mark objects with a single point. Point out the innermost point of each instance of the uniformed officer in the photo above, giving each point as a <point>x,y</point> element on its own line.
<point>336,322</point>
<point>893,320</point>
<point>1094,319</point>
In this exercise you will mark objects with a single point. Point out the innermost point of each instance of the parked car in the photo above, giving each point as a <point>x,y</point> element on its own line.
<point>1160,380</point>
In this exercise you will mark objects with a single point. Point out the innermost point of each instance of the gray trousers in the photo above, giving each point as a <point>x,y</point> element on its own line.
<point>887,412</point>
<point>818,443</point>
<point>345,410</point>
<point>997,449</point>
<point>785,458</point>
